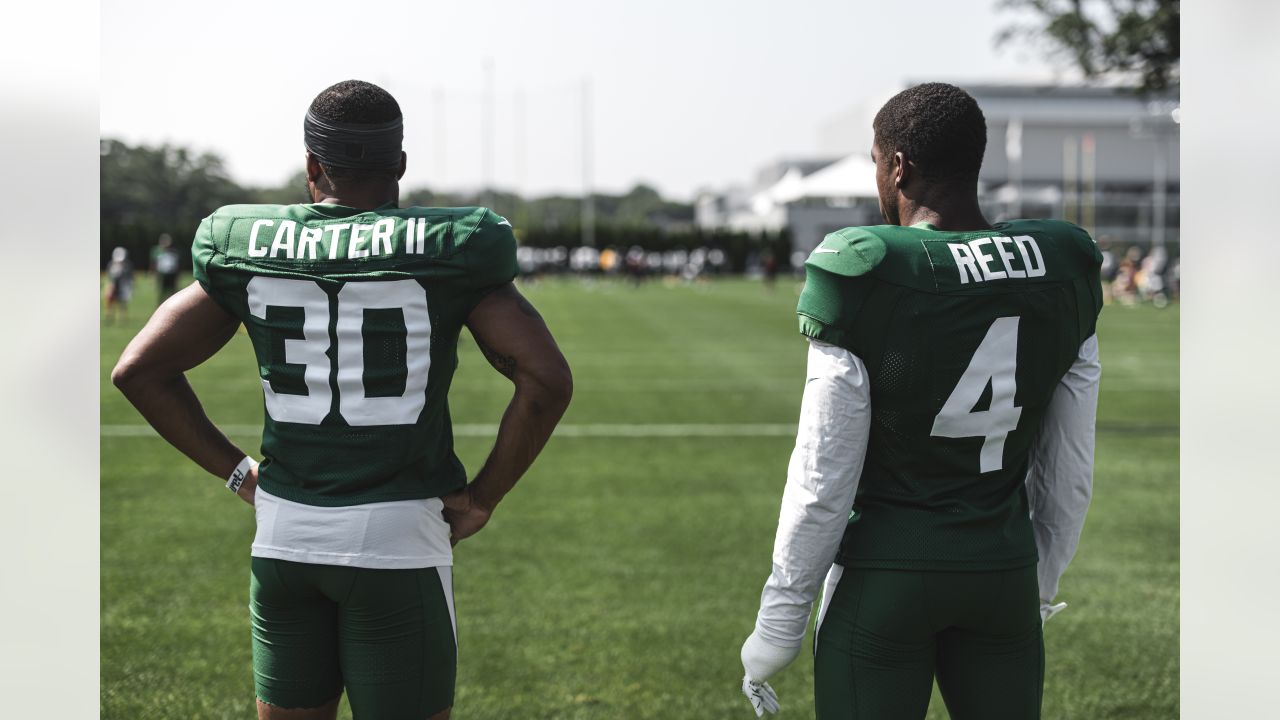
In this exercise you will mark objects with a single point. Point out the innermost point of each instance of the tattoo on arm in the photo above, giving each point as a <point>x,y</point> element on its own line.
<point>504,364</point>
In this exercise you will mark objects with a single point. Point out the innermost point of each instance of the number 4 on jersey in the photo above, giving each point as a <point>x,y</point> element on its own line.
<point>994,362</point>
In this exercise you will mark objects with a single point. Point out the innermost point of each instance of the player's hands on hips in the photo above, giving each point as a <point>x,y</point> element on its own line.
<point>761,659</point>
<point>249,488</point>
<point>464,513</point>
<point>1047,611</point>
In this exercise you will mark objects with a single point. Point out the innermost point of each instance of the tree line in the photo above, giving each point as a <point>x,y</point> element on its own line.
<point>149,190</point>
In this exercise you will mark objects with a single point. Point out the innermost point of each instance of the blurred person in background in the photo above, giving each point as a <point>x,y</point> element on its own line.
<point>1151,283</point>
<point>119,285</point>
<point>609,261</point>
<point>634,262</point>
<point>1124,288</point>
<point>944,459</point>
<point>769,268</point>
<point>164,261</point>
<point>1108,270</point>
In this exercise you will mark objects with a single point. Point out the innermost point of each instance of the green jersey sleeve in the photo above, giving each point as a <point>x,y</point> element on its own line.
<point>490,256</point>
<point>1091,258</point>
<point>832,295</point>
<point>202,252</point>
<point>1090,280</point>
<point>205,258</point>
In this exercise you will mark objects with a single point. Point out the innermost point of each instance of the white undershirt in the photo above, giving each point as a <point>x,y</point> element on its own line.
<point>822,479</point>
<point>1060,476</point>
<point>396,535</point>
<point>831,446</point>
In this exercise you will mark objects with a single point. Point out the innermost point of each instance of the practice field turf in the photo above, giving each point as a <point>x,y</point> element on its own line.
<point>620,578</point>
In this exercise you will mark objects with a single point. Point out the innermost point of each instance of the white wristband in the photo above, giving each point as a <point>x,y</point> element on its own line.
<point>239,474</point>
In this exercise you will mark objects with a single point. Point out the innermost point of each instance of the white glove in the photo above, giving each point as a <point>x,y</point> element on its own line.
<point>761,659</point>
<point>762,696</point>
<point>1047,611</point>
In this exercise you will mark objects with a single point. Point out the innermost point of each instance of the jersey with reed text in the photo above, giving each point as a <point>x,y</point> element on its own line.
<point>964,335</point>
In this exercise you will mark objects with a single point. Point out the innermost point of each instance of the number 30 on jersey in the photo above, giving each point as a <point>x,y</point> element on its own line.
<point>353,299</point>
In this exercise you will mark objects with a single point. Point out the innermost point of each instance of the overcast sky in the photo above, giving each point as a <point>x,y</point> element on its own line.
<point>687,94</point>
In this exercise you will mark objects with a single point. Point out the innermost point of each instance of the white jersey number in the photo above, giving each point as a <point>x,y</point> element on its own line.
<point>995,361</point>
<point>354,405</point>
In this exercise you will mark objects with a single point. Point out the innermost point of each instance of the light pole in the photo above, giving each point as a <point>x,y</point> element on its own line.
<point>1159,125</point>
<point>588,201</point>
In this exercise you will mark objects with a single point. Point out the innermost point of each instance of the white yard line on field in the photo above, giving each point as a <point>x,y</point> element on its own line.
<point>603,430</point>
<point>626,430</point>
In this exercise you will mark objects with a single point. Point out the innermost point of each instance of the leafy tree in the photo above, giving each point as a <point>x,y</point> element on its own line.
<point>1138,37</point>
<point>165,185</point>
<point>150,190</point>
<point>294,190</point>
<point>146,191</point>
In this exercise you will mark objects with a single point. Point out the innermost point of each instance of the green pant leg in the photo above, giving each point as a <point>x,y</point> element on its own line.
<point>875,650</point>
<point>396,641</point>
<point>990,661</point>
<point>295,635</point>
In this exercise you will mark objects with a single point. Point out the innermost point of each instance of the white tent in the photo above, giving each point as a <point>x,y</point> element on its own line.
<point>848,178</point>
<point>780,193</point>
<point>854,176</point>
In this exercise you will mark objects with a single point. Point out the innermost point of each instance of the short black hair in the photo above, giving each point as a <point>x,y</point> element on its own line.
<point>939,127</point>
<point>355,101</point>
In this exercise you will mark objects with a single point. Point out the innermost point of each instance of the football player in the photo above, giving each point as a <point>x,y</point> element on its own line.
<point>945,442</point>
<point>354,307</point>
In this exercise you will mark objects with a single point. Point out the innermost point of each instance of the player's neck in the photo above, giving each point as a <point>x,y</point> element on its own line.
<point>361,198</point>
<point>945,214</point>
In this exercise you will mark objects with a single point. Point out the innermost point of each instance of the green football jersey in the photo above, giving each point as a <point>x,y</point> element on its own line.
<point>965,336</point>
<point>354,317</point>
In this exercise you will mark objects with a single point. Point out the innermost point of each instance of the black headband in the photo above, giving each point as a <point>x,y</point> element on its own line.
<point>347,145</point>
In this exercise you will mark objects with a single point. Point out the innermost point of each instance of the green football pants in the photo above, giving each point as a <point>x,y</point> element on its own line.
<point>387,636</point>
<point>884,635</point>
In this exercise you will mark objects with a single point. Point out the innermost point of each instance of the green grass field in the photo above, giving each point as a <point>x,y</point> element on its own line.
<point>620,578</point>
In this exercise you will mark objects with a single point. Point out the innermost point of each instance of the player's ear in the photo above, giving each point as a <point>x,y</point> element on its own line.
<point>404,164</point>
<point>900,171</point>
<point>314,171</point>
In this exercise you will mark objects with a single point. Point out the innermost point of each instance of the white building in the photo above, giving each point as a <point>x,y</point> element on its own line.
<point>759,205</point>
<point>1099,156</point>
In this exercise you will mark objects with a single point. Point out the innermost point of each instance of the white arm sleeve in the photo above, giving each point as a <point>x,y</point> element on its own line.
<point>1060,476</point>
<point>822,479</point>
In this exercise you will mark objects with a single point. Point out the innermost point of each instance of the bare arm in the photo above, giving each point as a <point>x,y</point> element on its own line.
<point>184,332</point>
<point>516,341</point>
